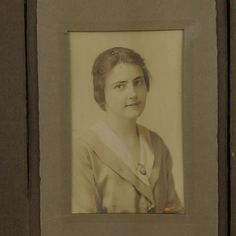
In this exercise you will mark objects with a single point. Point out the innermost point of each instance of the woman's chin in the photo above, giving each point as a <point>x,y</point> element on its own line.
<point>132,114</point>
<point>125,114</point>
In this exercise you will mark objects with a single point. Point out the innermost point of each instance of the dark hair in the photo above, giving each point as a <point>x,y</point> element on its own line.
<point>106,61</point>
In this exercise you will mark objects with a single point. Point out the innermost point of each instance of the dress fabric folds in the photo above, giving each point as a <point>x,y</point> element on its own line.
<point>106,180</point>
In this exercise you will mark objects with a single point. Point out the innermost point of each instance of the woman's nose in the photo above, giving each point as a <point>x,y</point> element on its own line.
<point>132,92</point>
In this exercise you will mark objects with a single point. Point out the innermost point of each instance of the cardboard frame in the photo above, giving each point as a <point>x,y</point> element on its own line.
<point>200,108</point>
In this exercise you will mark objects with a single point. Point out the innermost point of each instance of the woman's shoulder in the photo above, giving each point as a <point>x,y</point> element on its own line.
<point>92,136</point>
<point>83,147</point>
<point>154,136</point>
<point>157,141</point>
<point>86,139</point>
<point>159,148</point>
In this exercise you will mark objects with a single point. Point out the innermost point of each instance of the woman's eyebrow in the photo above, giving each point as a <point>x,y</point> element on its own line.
<point>120,82</point>
<point>125,81</point>
<point>138,78</point>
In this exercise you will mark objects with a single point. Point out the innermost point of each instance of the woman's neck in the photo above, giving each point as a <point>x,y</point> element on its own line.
<point>123,127</point>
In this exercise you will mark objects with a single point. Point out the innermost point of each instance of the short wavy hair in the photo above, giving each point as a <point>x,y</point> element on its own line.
<point>106,61</point>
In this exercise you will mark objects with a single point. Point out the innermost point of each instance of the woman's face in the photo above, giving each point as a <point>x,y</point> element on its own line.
<point>125,91</point>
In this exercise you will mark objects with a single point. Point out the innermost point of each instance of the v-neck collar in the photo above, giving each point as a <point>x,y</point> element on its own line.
<point>110,159</point>
<point>113,142</point>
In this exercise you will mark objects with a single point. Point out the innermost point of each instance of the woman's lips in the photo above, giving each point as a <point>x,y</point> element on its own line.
<point>133,104</point>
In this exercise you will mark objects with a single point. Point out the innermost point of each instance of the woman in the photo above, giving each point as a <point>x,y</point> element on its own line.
<point>120,166</point>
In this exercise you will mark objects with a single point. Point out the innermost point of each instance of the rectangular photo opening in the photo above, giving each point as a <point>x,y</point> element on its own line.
<point>126,122</point>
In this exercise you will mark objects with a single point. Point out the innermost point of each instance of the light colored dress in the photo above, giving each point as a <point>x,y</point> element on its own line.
<point>106,180</point>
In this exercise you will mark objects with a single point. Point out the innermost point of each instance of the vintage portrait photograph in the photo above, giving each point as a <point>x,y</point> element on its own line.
<point>126,122</point>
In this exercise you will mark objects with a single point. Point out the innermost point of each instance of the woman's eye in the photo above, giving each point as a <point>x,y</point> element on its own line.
<point>119,86</point>
<point>139,82</point>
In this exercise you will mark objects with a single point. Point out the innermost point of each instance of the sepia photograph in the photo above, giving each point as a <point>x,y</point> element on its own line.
<point>126,122</point>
